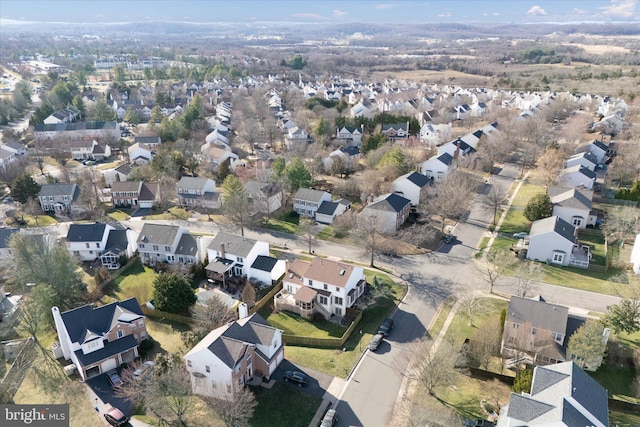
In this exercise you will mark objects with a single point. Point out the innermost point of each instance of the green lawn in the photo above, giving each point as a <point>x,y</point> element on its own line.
<point>282,405</point>
<point>579,278</point>
<point>515,222</point>
<point>293,324</point>
<point>118,215</point>
<point>172,213</point>
<point>136,281</point>
<point>459,328</point>
<point>30,220</point>
<point>527,191</point>
<point>280,225</point>
<point>596,241</point>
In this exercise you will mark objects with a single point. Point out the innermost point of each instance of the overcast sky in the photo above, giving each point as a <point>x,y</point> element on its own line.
<point>410,11</point>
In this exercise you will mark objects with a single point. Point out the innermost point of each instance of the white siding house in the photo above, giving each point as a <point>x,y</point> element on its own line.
<point>437,167</point>
<point>411,186</point>
<point>552,240</point>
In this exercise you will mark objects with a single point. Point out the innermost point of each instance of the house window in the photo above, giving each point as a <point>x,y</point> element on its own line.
<point>228,388</point>
<point>98,245</point>
<point>240,260</point>
<point>120,333</point>
<point>207,368</point>
<point>310,282</point>
<point>189,363</point>
<point>326,287</point>
<point>155,247</point>
<point>323,300</point>
<point>337,300</point>
<point>558,257</point>
<point>87,245</point>
<point>213,383</point>
<point>141,245</point>
<point>167,248</point>
<point>338,311</point>
<point>337,289</point>
<point>577,222</point>
<point>516,326</point>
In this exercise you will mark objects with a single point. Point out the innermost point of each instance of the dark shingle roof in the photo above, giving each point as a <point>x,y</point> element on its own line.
<point>600,145</point>
<point>540,314</point>
<point>555,224</point>
<point>110,348</point>
<point>327,208</point>
<point>392,202</point>
<point>572,198</point>
<point>524,408</point>
<point>418,179</point>
<point>59,190</point>
<point>264,263</point>
<point>187,245</point>
<point>350,150</point>
<point>86,232</point>
<point>446,158</point>
<point>309,194</point>
<point>117,241</point>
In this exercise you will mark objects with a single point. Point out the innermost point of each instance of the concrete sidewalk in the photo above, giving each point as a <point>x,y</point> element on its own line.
<point>329,400</point>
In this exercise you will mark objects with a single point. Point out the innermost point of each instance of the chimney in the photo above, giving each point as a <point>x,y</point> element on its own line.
<point>222,254</point>
<point>63,337</point>
<point>243,309</point>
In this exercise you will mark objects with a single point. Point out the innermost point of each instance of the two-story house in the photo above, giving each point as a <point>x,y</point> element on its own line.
<point>88,241</point>
<point>573,205</point>
<point>99,339</point>
<point>585,159</point>
<point>196,192</point>
<point>344,159</point>
<point>60,198</point>
<point>264,197</point>
<point>351,135</point>
<point>135,194</point>
<point>396,131</point>
<point>119,173</point>
<point>230,257</point>
<point>437,167</point>
<point>577,176</point>
<point>84,149</point>
<point>140,153</point>
<point>232,355</point>
<point>389,212</point>
<point>169,244</point>
<point>412,186</point>
<point>307,201</point>
<point>320,286</point>
<point>553,240</point>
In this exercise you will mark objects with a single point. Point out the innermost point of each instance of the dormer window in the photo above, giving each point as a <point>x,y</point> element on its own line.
<point>120,333</point>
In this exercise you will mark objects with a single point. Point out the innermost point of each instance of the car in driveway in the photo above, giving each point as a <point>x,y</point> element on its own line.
<point>330,418</point>
<point>114,379</point>
<point>386,327</point>
<point>143,371</point>
<point>449,238</point>
<point>521,235</point>
<point>115,417</point>
<point>295,377</point>
<point>375,342</point>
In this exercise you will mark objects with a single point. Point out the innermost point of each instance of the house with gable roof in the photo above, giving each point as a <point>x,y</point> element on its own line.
<point>60,198</point>
<point>348,158</point>
<point>232,355</point>
<point>171,244</point>
<point>390,211</point>
<point>84,149</point>
<point>134,194</point>
<point>412,186</point>
<point>573,205</point>
<point>99,339</point>
<point>117,174</point>
<point>120,243</point>
<point>264,197</point>
<point>577,176</point>
<point>585,159</point>
<point>553,240</point>
<point>328,211</point>
<point>561,395</point>
<point>198,192</point>
<point>350,135</point>
<point>437,167</point>
<point>230,257</point>
<point>266,270</point>
<point>306,201</point>
<point>320,286</point>
<point>396,131</point>
<point>66,115</point>
<point>140,154</point>
<point>88,241</point>
<point>598,149</point>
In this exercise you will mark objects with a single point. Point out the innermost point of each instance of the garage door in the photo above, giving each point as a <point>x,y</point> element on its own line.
<point>108,365</point>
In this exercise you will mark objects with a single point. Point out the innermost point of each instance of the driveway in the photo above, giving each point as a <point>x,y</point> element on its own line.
<point>317,382</point>
<point>101,387</point>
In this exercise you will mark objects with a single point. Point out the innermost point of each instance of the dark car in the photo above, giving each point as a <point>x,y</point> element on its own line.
<point>449,238</point>
<point>296,377</point>
<point>375,342</point>
<point>330,418</point>
<point>115,417</point>
<point>386,327</point>
<point>114,379</point>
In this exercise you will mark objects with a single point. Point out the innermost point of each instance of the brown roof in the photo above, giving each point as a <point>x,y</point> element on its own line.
<point>125,186</point>
<point>296,271</point>
<point>331,272</point>
<point>306,294</point>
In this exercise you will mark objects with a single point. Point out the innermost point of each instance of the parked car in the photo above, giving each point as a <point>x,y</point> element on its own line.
<point>375,342</point>
<point>114,379</point>
<point>330,418</point>
<point>296,377</point>
<point>449,238</point>
<point>521,235</point>
<point>144,371</point>
<point>386,327</point>
<point>89,162</point>
<point>115,417</point>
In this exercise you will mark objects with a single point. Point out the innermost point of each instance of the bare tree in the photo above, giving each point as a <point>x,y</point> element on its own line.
<point>527,273</point>
<point>370,237</point>
<point>436,368</point>
<point>493,150</point>
<point>485,342</point>
<point>622,223</point>
<point>494,201</point>
<point>307,229</point>
<point>248,294</point>
<point>492,266</point>
<point>469,302</point>
<point>237,411</point>
<point>210,315</point>
<point>549,165</point>
<point>450,198</point>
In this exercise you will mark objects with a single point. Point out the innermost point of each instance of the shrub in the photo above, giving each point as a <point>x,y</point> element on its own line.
<point>523,380</point>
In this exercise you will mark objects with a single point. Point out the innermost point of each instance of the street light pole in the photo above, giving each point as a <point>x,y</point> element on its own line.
<point>360,340</point>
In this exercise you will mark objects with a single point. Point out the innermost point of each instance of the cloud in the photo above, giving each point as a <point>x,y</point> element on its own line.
<point>621,8</point>
<point>339,13</point>
<point>444,15</point>
<point>536,11</point>
<point>383,6</point>
<point>578,11</point>
<point>314,16</point>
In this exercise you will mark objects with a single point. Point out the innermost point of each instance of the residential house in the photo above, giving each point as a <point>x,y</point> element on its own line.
<point>435,134</point>
<point>437,167</point>
<point>573,205</point>
<point>61,199</point>
<point>296,136</point>
<point>217,156</point>
<point>264,197</point>
<point>6,157</point>
<point>361,110</point>
<point>266,270</point>
<point>351,135</point>
<point>66,115</point>
<point>84,149</point>
<point>328,211</point>
<point>196,192</point>
<point>232,355</point>
<point>395,131</point>
<point>135,194</point>
<point>561,395</point>
<point>117,174</point>
<point>635,255</point>
<point>230,257</point>
<point>140,154</point>
<point>99,339</point>
<point>585,159</point>
<point>151,141</point>
<point>412,186</point>
<point>478,109</point>
<point>553,240</point>
<point>120,245</point>
<point>456,149</point>
<point>473,138</point>
<point>348,159</point>
<point>18,148</point>
<point>307,201</point>
<point>577,176</point>
<point>171,244</point>
<point>88,241</point>
<point>598,150</point>
<point>78,130</point>
<point>320,286</point>
<point>389,212</point>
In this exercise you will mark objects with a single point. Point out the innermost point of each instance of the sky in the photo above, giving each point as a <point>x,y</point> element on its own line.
<point>329,11</point>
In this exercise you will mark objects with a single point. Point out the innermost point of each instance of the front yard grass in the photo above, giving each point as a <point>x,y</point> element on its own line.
<point>172,213</point>
<point>526,192</point>
<point>30,221</point>
<point>580,278</point>
<point>118,215</point>
<point>281,406</point>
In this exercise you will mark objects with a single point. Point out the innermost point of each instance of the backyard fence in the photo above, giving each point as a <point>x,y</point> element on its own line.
<point>617,202</point>
<point>267,298</point>
<point>488,375</point>
<point>164,315</point>
<point>323,342</point>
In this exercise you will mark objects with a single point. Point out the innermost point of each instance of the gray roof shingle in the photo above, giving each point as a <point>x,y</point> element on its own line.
<point>234,245</point>
<point>158,234</point>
